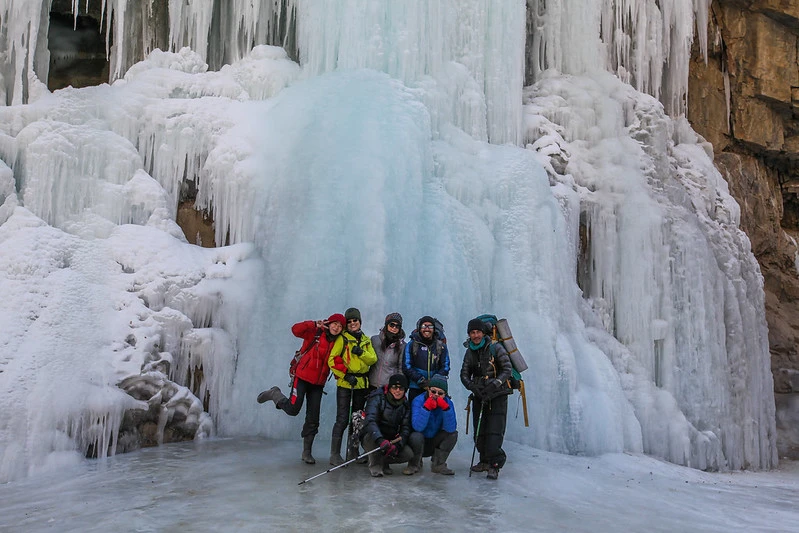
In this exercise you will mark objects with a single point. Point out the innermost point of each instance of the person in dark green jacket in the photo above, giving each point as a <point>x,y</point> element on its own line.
<point>486,370</point>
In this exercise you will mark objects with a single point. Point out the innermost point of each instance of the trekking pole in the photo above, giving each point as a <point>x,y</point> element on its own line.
<point>477,433</point>
<point>364,454</point>
<point>468,411</point>
<point>349,424</point>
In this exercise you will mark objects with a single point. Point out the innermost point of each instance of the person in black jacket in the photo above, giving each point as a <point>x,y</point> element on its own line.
<point>486,370</point>
<point>388,417</point>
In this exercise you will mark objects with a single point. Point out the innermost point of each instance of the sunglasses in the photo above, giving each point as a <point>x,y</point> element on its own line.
<point>397,387</point>
<point>393,325</point>
<point>352,320</point>
<point>437,392</point>
<point>427,326</point>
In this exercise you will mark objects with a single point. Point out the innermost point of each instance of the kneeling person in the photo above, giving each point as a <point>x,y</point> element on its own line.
<point>434,423</point>
<point>387,418</point>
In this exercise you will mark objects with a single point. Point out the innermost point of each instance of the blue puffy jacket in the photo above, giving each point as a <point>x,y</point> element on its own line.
<point>429,423</point>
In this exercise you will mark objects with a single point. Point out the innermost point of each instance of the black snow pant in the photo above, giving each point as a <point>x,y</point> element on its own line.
<point>489,432</point>
<point>292,405</point>
<point>343,414</point>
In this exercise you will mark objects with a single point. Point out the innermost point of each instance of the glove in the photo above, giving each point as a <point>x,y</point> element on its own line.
<point>388,449</point>
<point>422,383</point>
<point>352,379</point>
<point>478,387</point>
<point>430,403</point>
<point>356,350</point>
<point>441,402</point>
<point>493,386</point>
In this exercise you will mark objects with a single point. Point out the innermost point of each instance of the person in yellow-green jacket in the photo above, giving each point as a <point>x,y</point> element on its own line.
<point>350,359</point>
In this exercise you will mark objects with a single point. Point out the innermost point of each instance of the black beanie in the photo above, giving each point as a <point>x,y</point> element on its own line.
<point>353,312</point>
<point>476,324</point>
<point>398,379</point>
<point>426,319</point>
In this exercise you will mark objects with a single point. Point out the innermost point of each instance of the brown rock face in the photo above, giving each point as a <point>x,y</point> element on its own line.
<point>745,100</point>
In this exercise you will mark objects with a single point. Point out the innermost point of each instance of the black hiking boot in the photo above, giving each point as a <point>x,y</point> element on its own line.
<point>307,444</point>
<point>335,452</point>
<point>493,472</point>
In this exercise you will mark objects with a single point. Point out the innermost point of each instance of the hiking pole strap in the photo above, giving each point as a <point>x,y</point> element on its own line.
<point>395,441</point>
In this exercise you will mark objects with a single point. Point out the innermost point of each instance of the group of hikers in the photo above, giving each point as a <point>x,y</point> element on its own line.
<point>402,387</point>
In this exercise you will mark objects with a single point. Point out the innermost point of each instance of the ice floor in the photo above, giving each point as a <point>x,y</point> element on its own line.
<point>252,485</point>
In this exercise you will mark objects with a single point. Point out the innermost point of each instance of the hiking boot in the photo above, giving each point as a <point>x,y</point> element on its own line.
<point>439,465</point>
<point>273,394</point>
<point>307,444</point>
<point>410,469</point>
<point>387,470</point>
<point>375,465</point>
<point>442,469</point>
<point>414,465</point>
<point>352,453</point>
<point>480,467</point>
<point>493,472</point>
<point>335,452</point>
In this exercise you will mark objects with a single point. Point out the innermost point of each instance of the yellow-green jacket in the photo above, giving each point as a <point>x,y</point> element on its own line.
<point>342,360</point>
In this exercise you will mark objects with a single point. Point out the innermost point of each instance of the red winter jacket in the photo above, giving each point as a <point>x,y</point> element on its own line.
<point>313,364</point>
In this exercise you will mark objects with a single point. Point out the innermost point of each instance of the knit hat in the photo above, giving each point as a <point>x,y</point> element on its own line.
<point>426,319</point>
<point>394,317</point>
<point>352,312</point>
<point>398,379</point>
<point>337,317</point>
<point>476,324</point>
<point>438,382</point>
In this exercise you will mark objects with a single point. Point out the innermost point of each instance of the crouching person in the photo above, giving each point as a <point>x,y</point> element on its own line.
<point>434,427</point>
<point>388,418</point>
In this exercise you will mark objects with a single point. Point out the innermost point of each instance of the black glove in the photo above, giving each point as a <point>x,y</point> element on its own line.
<point>422,383</point>
<point>352,379</point>
<point>492,388</point>
<point>478,387</point>
<point>356,350</point>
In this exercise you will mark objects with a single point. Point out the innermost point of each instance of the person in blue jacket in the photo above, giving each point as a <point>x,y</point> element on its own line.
<point>426,356</point>
<point>434,428</point>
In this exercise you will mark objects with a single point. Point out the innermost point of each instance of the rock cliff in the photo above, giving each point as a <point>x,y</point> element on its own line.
<point>745,101</point>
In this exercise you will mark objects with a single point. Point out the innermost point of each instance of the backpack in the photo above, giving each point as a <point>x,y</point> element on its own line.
<point>298,355</point>
<point>500,334</point>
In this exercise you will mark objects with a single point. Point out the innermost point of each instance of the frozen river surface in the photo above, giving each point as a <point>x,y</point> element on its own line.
<point>252,485</point>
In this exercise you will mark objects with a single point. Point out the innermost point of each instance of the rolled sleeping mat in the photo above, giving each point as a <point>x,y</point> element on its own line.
<point>506,338</point>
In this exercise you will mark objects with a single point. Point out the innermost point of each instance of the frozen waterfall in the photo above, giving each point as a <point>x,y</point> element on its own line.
<point>400,166</point>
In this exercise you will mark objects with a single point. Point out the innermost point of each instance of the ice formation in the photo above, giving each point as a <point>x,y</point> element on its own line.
<point>400,166</point>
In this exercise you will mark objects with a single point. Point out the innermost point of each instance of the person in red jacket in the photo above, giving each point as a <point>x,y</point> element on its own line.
<point>310,376</point>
